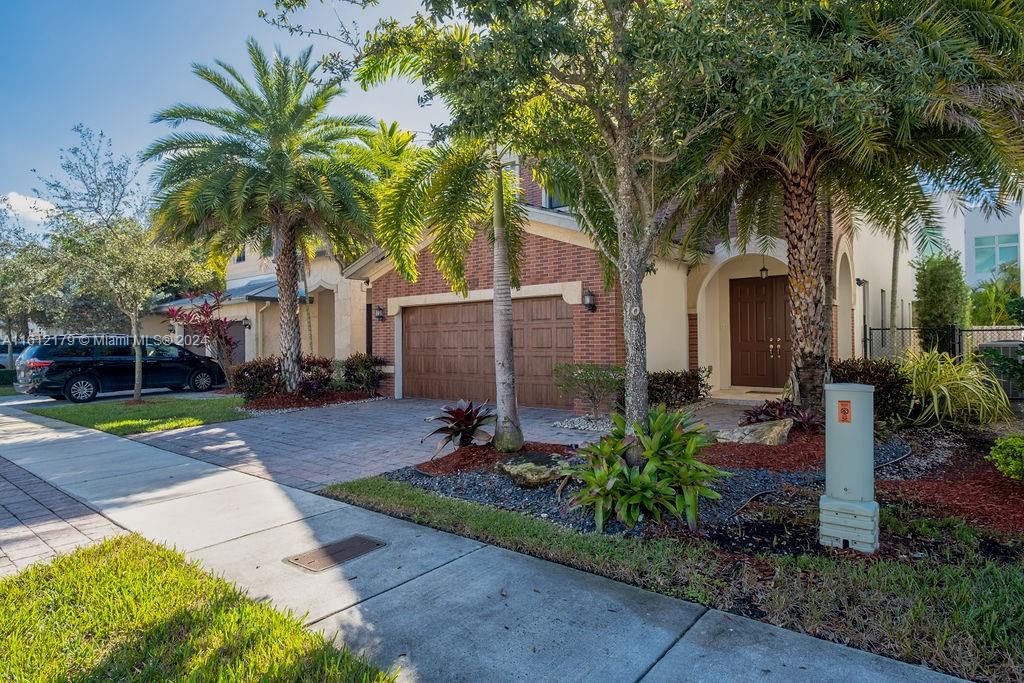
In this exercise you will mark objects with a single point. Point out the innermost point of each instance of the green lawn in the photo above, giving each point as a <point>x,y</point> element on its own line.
<point>956,609</point>
<point>128,610</point>
<point>7,390</point>
<point>157,414</point>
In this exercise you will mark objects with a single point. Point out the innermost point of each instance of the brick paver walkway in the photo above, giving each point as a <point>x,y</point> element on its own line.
<point>39,521</point>
<point>309,449</point>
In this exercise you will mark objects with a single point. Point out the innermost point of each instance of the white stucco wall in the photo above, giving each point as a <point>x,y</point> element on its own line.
<point>665,297</point>
<point>872,261</point>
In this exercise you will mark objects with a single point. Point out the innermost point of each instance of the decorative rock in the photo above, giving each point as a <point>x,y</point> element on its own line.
<point>773,433</point>
<point>534,469</point>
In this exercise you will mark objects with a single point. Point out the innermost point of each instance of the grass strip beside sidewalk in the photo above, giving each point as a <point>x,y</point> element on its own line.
<point>129,610</point>
<point>154,415</point>
<point>962,613</point>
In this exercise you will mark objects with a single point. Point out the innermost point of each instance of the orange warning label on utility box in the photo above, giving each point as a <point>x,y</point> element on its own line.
<point>845,411</point>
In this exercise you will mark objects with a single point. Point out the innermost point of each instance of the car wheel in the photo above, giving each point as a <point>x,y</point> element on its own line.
<point>81,389</point>
<point>202,380</point>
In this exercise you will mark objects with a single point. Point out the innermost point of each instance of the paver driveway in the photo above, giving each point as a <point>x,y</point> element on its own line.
<point>309,449</point>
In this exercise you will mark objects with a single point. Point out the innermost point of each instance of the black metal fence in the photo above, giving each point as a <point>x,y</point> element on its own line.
<point>883,342</point>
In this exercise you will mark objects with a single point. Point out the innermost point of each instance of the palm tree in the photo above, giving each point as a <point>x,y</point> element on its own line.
<point>276,172</point>
<point>933,101</point>
<point>452,192</point>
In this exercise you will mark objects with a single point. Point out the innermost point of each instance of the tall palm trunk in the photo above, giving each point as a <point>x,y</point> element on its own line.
<point>896,245</point>
<point>508,434</point>
<point>288,298</point>
<point>810,321</point>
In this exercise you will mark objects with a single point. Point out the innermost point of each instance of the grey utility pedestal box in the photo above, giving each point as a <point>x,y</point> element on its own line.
<point>848,511</point>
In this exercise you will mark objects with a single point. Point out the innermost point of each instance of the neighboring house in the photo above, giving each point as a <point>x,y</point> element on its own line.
<point>337,306</point>
<point>721,314</point>
<point>984,242</point>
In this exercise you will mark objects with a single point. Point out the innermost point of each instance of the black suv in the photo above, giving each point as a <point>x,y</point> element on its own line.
<point>79,367</point>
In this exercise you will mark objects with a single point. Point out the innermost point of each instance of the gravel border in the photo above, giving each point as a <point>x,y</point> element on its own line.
<point>494,488</point>
<point>282,411</point>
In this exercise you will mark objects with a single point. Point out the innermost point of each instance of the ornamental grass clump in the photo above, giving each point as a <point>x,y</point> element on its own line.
<point>668,479</point>
<point>959,391</point>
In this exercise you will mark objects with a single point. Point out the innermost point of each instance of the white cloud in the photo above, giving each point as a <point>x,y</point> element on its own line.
<point>30,211</point>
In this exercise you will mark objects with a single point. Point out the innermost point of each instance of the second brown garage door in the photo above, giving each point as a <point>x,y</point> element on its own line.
<point>448,351</point>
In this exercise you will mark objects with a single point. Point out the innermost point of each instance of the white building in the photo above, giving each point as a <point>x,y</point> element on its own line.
<point>983,242</point>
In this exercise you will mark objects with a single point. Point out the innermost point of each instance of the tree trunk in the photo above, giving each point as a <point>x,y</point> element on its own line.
<point>634,333</point>
<point>10,348</point>
<point>288,299</point>
<point>810,320</point>
<point>309,313</point>
<point>137,343</point>
<point>896,244</point>
<point>508,433</point>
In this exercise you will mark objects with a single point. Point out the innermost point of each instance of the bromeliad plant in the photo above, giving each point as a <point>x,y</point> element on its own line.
<point>461,424</point>
<point>806,419</point>
<point>668,479</point>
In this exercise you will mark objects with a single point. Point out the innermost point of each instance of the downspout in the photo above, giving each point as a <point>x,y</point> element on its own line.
<point>259,329</point>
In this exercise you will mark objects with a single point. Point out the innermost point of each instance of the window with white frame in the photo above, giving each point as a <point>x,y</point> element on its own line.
<point>992,251</point>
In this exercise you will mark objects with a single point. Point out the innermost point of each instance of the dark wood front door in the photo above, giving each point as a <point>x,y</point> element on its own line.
<point>448,350</point>
<point>759,329</point>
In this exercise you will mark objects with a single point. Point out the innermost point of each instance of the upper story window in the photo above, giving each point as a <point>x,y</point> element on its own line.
<point>993,251</point>
<point>240,257</point>
<point>551,200</point>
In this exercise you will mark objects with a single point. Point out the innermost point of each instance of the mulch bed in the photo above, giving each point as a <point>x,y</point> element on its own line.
<point>478,457</point>
<point>289,401</point>
<point>804,452</point>
<point>969,487</point>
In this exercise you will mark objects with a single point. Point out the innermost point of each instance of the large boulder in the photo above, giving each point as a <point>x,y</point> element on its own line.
<point>774,433</point>
<point>534,469</point>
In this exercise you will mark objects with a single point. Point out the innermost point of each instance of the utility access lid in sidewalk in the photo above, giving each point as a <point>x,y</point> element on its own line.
<point>327,556</point>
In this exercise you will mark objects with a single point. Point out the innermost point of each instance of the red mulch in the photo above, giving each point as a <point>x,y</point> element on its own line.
<point>280,401</point>
<point>478,457</point>
<point>969,487</point>
<point>802,452</point>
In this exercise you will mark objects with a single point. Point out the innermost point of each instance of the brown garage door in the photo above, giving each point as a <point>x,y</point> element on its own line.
<point>448,351</point>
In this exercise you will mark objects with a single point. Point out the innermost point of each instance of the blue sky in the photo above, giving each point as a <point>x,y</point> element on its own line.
<point>111,64</point>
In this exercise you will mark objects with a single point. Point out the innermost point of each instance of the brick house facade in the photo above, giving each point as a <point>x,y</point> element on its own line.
<point>597,335</point>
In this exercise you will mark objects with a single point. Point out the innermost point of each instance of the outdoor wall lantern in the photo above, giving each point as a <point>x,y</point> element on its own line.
<point>764,269</point>
<point>589,302</point>
<point>246,323</point>
<point>170,329</point>
<point>378,313</point>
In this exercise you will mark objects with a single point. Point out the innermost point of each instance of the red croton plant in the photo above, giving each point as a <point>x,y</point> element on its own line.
<point>203,319</point>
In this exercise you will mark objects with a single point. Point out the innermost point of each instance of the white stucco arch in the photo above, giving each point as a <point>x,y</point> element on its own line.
<point>712,306</point>
<point>845,302</point>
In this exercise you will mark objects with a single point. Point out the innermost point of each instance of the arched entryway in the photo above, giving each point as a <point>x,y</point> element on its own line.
<point>742,329</point>
<point>844,322</point>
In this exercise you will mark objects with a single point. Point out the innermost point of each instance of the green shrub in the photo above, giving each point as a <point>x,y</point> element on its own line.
<point>678,388</point>
<point>1015,309</point>
<point>942,299</point>
<point>317,376</point>
<point>893,397</point>
<point>953,390</point>
<point>669,478</point>
<point>1008,456</point>
<point>262,377</point>
<point>364,371</point>
<point>8,377</point>
<point>597,385</point>
<point>256,378</point>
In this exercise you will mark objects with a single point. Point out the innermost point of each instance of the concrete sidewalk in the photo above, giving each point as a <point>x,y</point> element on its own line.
<point>439,606</point>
